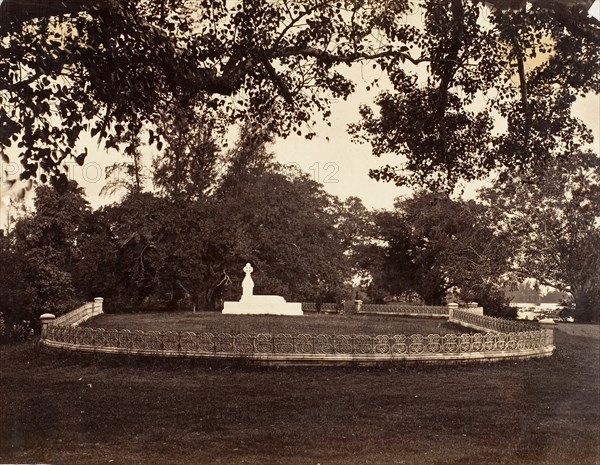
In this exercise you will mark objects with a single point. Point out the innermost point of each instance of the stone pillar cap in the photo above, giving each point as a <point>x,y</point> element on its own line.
<point>47,316</point>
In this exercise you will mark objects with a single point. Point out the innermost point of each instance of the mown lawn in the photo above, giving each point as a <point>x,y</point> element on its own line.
<point>308,323</point>
<point>60,408</point>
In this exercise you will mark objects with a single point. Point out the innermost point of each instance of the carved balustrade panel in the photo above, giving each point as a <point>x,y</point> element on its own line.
<point>100,337</point>
<point>206,343</point>
<point>513,341</point>
<point>284,343</point>
<point>264,343</point>
<point>416,344</point>
<point>79,336</point>
<point>138,340</point>
<point>54,333</point>
<point>363,344</point>
<point>381,344</point>
<point>537,339</point>
<point>399,344</point>
<point>465,343</point>
<point>189,341</point>
<point>433,343</point>
<point>489,342</point>
<point>501,341</point>
<point>112,338</point>
<point>170,341</point>
<point>342,344</point>
<point>224,342</point>
<point>477,342</point>
<point>304,344</point>
<point>243,344</point>
<point>70,335</point>
<point>324,344</point>
<point>450,343</point>
<point>125,339</point>
<point>150,340</point>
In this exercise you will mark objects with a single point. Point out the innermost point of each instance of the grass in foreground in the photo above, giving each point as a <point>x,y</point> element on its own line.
<point>308,323</point>
<point>64,409</point>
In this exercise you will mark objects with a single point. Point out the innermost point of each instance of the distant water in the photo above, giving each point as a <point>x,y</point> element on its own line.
<point>531,311</point>
<point>544,306</point>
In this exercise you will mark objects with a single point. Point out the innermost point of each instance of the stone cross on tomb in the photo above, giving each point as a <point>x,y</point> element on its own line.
<point>251,304</point>
<point>247,283</point>
<point>248,269</point>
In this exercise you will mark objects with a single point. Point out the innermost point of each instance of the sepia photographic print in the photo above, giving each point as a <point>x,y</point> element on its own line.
<point>300,232</point>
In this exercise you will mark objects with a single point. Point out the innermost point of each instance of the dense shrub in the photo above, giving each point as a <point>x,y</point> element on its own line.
<point>492,299</point>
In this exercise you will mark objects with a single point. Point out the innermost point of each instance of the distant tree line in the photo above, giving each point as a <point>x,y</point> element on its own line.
<point>182,245</point>
<point>528,292</point>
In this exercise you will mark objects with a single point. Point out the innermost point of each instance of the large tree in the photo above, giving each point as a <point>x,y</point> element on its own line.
<point>48,243</point>
<point>114,67</point>
<point>496,95</point>
<point>555,223</point>
<point>285,225</point>
<point>188,167</point>
<point>150,252</point>
<point>431,245</point>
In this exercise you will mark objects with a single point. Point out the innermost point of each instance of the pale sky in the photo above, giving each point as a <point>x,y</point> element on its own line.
<point>355,160</point>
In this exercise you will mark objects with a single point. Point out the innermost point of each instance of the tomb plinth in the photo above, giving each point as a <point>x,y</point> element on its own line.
<point>251,304</point>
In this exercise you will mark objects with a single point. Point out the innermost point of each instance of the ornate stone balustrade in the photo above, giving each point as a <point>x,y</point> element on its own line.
<point>325,307</point>
<point>472,320</point>
<point>404,309</point>
<point>502,339</point>
<point>77,316</point>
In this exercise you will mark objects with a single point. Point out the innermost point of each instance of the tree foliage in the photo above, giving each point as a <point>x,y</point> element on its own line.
<point>115,68</point>
<point>155,253</point>
<point>15,300</point>
<point>555,223</point>
<point>187,168</point>
<point>497,93</point>
<point>47,248</point>
<point>431,245</point>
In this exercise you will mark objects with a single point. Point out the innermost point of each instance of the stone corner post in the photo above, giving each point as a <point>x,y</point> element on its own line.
<point>475,308</point>
<point>451,307</point>
<point>357,306</point>
<point>548,325</point>
<point>45,320</point>
<point>97,308</point>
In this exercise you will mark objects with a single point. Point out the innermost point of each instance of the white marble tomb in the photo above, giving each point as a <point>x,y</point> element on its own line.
<point>251,304</point>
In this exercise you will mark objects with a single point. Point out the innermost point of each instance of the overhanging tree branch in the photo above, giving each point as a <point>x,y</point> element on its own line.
<point>13,13</point>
